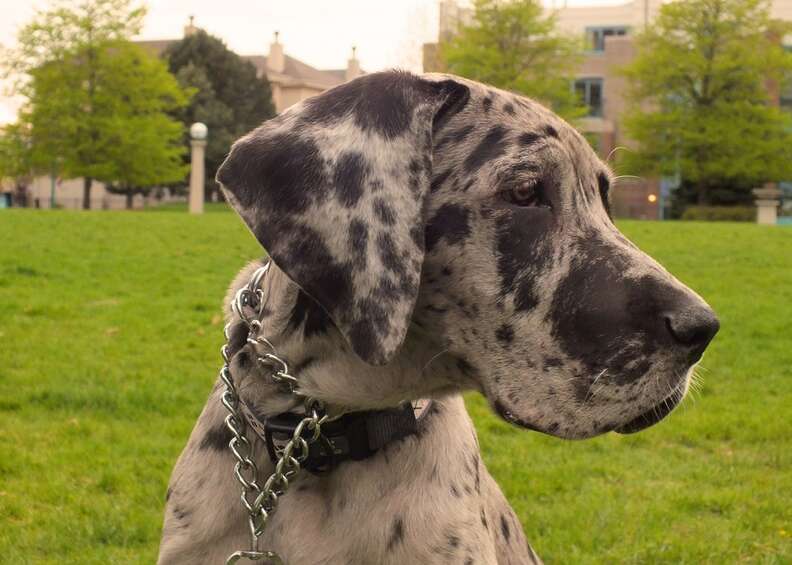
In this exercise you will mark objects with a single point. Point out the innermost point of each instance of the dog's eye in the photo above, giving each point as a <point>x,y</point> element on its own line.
<point>526,195</point>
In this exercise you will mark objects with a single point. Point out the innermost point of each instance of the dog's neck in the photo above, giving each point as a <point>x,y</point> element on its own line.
<point>324,364</point>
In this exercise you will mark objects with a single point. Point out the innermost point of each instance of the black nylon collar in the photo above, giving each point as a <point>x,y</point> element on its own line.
<point>354,436</point>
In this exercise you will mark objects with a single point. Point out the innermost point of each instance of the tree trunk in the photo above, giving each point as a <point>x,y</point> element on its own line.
<point>129,196</point>
<point>21,196</point>
<point>86,203</point>
<point>703,194</point>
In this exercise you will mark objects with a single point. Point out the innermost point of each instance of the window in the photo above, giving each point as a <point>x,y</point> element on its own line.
<point>785,99</point>
<point>785,94</point>
<point>589,91</point>
<point>595,36</point>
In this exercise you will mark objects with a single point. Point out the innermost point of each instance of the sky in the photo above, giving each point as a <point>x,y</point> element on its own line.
<point>387,33</point>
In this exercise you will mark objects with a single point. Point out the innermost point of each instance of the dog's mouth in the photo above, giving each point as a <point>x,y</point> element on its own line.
<point>654,414</point>
<point>510,417</point>
<point>644,420</point>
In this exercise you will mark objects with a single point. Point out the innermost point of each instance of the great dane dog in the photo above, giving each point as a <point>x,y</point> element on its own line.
<point>430,235</point>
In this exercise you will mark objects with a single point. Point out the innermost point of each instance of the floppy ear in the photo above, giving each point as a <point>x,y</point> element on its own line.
<point>334,189</point>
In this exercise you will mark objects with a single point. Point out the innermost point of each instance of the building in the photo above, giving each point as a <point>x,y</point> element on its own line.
<point>608,33</point>
<point>610,45</point>
<point>452,16</point>
<point>291,81</point>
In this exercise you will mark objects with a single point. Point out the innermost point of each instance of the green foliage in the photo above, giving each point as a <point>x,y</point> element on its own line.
<point>97,104</point>
<point>517,47</point>
<point>720,213</point>
<point>16,155</point>
<point>110,327</point>
<point>230,99</point>
<point>699,103</point>
<point>54,34</point>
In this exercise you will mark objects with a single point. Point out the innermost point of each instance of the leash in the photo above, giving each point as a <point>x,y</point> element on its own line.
<point>309,440</point>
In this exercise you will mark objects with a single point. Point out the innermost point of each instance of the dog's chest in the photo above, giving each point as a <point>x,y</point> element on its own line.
<point>418,501</point>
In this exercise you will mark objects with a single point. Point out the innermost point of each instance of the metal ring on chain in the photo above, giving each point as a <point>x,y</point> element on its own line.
<point>292,454</point>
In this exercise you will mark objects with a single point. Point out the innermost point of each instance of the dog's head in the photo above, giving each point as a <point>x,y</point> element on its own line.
<point>438,205</point>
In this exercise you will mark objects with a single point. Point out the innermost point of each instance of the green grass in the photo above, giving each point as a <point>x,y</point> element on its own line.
<point>109,336</point>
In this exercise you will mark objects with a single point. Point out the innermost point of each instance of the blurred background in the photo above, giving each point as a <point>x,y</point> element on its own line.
<point>110,291</point>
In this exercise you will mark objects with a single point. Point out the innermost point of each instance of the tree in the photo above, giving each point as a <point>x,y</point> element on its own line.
<point>88,88</point>
<point>516,46</point>
<point>699,102</point>
<point>148,147</point>
<point>230,99</point>
<point>17,161</point>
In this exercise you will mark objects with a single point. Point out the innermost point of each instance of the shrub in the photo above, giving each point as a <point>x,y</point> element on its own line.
<point>720,213</point>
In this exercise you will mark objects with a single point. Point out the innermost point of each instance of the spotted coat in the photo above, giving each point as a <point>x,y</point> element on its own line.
<point>432,235</point>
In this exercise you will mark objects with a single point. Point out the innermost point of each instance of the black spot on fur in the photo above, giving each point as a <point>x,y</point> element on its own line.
<point>450,223</point>
<point>505,334</point>
<point>504,524</point>
<point>417,236</point>
<point>216,438</point>
<point>397,533</point>
<point>523,252</point>
<point>603,185</point>
<point>550,362</point>
<point>358,243</point>
<point>551,131</point>
<point>307,311</point>
<point>237,337</point>
<point>528,139</point>
<point>350,173</point>
<point>272,173</point>
<point>509,108</point>
<point>181,514</point>
<point>491,147</point>
<point>379,102</point>
<point>453,541</point>
<point>388,255</point>
<point>438,181</point>
<point>465,367</point>
<point>384,212</point>
<point>622,320</point>
<point>332,284</point>
<point>243,360</point>
<point>456,98</point>
<point>415,177</point>
<point>455,137</point>
<point>487,104</point>
<point>525,297</point>
<point>454,492</point>
<point>364,335</point>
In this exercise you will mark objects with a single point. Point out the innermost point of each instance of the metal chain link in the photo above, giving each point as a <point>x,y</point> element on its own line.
<point>260,502</point>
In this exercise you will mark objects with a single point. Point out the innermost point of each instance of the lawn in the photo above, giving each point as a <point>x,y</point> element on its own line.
<point>109,336</point>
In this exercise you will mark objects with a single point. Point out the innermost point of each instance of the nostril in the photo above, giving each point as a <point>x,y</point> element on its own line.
<point>694,328</point>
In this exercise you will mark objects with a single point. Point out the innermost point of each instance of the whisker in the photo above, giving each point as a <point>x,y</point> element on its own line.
<point>614,150</point>
<point>620,177</point>
<point>590,394</point>
<point>434,357</point>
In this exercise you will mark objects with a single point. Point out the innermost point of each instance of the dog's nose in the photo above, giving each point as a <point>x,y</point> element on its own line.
<point>694,327</point>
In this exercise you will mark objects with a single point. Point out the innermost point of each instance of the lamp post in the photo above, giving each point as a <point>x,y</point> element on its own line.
<point>767,201</point>
<point>198,133</point>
